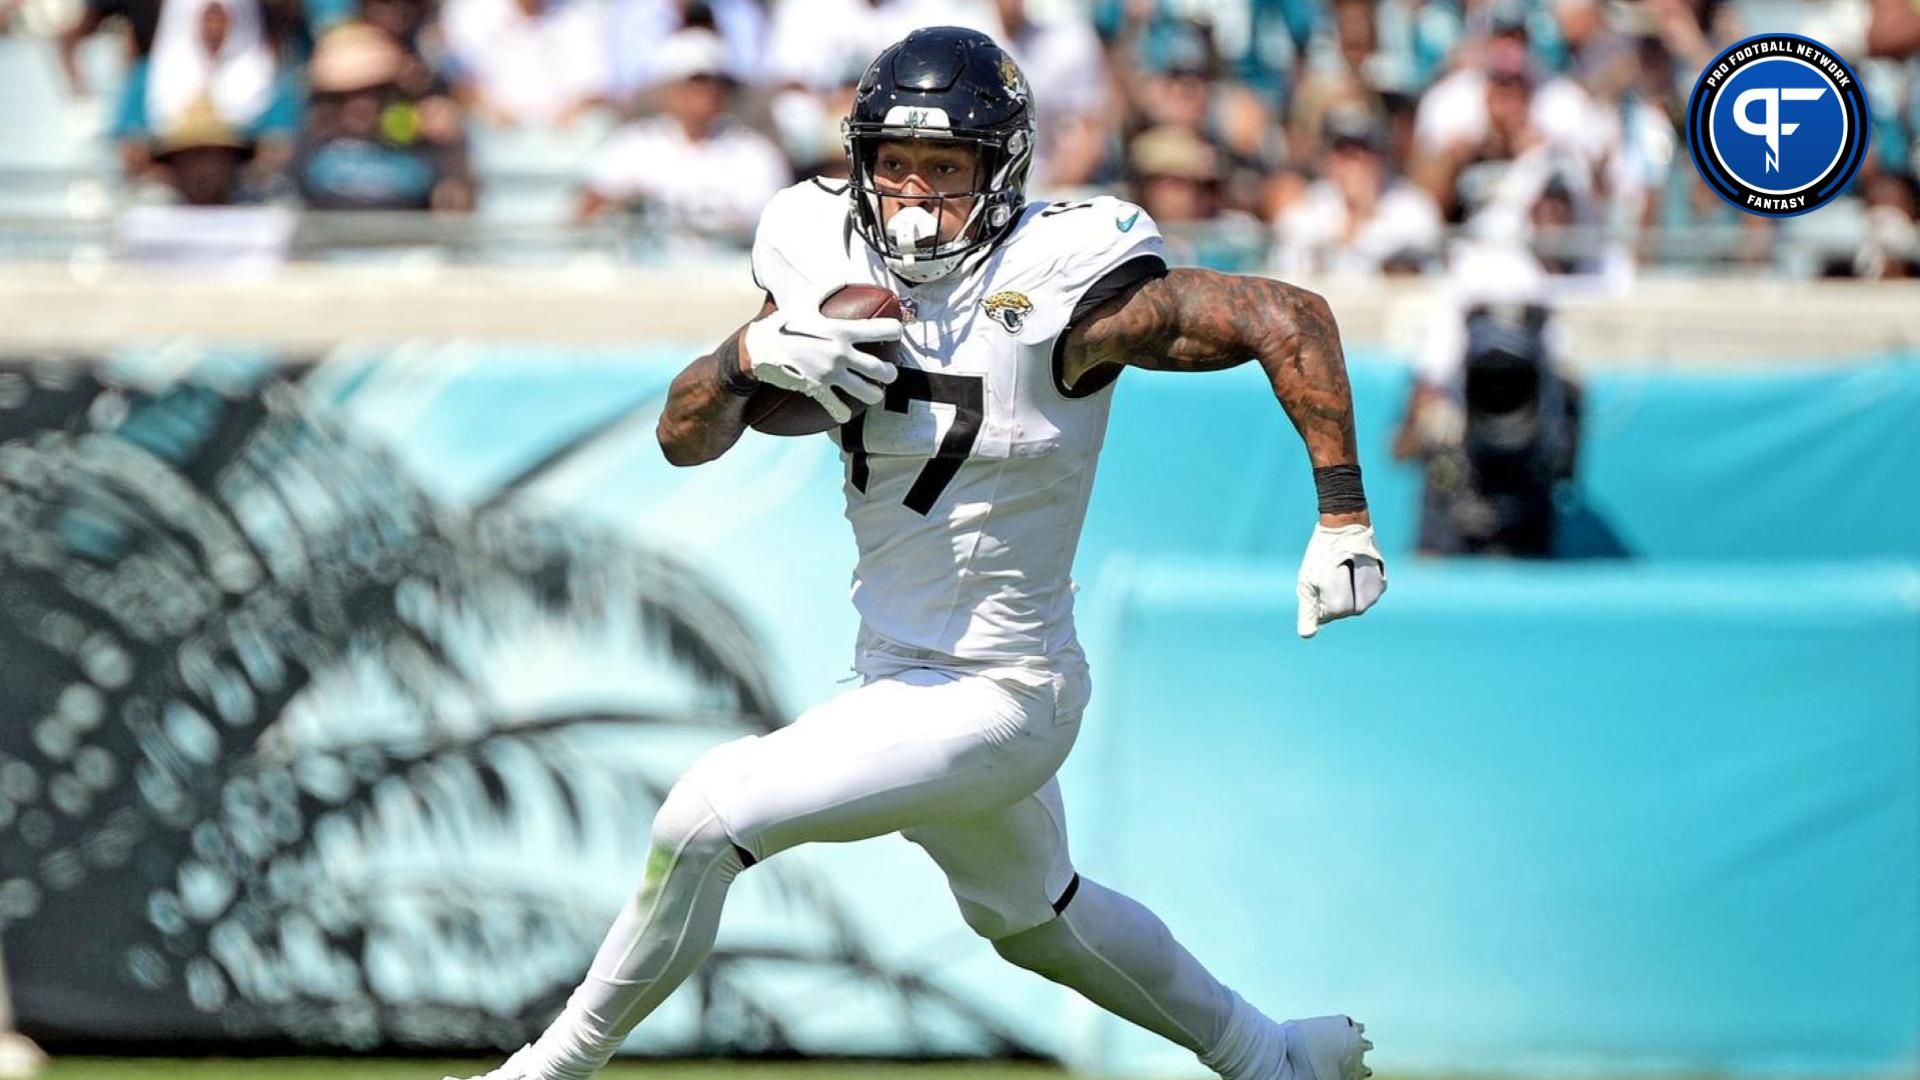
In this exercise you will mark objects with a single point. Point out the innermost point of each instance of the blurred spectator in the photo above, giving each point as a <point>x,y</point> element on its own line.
<point>815,50</point>
<point>1277,32</point>
<point>693,169</point>
<point>410,24</point>
<point>201,157</point>
<point>371,142</point>
<point>1561,225</point>
<point>1176,176</point>
<point>540,63</point>
<point>1546,202</point>
<point>1175,79</point>
<point>638,28</point>
<point>1592,46</point>
<point>1690,27</point>
<point>1062,61</point>
<point>1336,77</point>
<point>142,20</point>
<point>1894,29</point>
<point>1172,80</point>
<point>1398,111</point>
<point>811,43</point>
<point>1358,218</point>
<point>818,49</point>
<point>807,122</point>
<point>210,51</point>
<point>209,54</point>
<point>1496,107</point>
<point>898,18</point>
<point>1416,38</point>
<point>1891,247</point>
<point>1177,181</point>
<point>1647,108</point>
<point>1257,43</point>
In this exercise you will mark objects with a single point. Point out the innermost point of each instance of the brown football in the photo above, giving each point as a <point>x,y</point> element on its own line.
<point>783,412</point>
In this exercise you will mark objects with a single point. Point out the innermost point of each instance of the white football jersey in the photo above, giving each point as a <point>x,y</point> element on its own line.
<point>967,488</point>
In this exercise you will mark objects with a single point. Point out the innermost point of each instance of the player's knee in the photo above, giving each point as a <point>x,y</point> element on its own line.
<point>992,923</point>
<point>720,782</point>
<point>1006,917</point>
<point>688,829</point>
<point>1041,949</point>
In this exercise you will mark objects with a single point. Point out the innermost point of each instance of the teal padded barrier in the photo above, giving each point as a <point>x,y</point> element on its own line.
<point>1526,817</point>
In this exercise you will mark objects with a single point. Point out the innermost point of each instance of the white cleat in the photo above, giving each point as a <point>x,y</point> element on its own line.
<point>1328,1048</point>
<point>521,1066</point>
<point>19,1058</point>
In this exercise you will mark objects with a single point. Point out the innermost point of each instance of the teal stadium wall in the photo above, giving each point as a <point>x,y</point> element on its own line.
<point>1655,814</point>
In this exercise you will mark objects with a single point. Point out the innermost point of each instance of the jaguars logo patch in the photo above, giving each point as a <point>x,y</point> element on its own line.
<point>1010,77</point>
<point>1009,309</point>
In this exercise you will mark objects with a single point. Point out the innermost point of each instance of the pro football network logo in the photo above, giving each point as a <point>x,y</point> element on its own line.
<point>1010,309</point>
<point>1777,125</point>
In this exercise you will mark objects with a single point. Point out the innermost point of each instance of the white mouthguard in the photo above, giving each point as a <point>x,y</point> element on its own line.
<point>911,227</point>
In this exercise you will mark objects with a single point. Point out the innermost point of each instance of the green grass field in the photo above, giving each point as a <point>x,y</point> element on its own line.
<point>83,1068</point>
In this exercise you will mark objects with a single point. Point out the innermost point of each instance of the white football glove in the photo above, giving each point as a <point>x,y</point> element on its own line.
<point>806,352</point>
<point>1341,576</point>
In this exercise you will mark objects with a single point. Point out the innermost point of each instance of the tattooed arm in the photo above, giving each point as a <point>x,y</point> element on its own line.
<point>1200,320</point>
<point>703,419</point>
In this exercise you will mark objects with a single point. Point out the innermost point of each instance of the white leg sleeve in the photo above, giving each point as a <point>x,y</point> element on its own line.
<point>1012,874</point>
<point>914,747</point>
<point>1121,957</point>
<point>658,940</point>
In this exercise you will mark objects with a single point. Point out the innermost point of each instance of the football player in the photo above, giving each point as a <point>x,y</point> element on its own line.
<point>967,477</point>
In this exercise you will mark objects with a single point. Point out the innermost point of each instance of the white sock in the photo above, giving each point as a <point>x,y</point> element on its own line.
<point>1121,957</point>
<point>658,940</point>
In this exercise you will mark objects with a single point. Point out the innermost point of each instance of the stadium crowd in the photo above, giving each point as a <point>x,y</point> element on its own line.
<point>1338,136</point>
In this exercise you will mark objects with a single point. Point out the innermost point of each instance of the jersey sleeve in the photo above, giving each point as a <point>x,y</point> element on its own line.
<point>1101,248</point>
<point>799,231</point>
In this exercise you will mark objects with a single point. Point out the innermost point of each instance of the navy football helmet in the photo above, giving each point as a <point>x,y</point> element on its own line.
<point>952,84</point>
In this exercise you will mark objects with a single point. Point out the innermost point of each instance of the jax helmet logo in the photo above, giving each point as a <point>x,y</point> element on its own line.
<point>1777,125</point>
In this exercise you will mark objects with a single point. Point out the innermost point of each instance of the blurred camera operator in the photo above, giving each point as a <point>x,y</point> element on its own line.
<point>1493,416</point>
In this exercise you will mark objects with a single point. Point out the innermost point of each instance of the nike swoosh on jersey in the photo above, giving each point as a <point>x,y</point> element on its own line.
<point>1125,224</point>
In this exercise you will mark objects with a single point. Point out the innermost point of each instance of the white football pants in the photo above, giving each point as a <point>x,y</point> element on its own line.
<point>960,759</point>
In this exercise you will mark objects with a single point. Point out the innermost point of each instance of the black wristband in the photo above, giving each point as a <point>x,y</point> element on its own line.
<point>732,379</point>
<point>1340,489</point>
